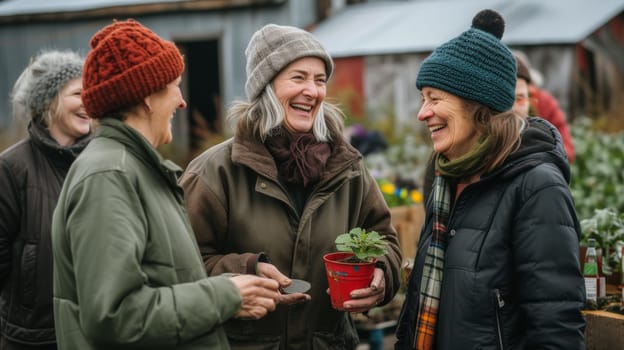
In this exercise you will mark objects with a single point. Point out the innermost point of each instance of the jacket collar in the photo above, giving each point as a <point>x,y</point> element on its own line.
<point>250,152</point>
<point>540,143</point>
<point>139,146</point>
<point>40,135</point>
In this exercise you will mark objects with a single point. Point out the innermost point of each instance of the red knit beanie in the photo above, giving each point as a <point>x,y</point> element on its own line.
<point>127,63</point>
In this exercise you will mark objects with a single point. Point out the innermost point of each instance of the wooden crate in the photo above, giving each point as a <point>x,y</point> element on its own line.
<point>408,221</point>
<point>604,330</point>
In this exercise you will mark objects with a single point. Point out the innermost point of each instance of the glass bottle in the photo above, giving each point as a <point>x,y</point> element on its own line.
<point>590,268</point>
<point>622,267</point>
<point>590,271</point>
<point>622,275</point>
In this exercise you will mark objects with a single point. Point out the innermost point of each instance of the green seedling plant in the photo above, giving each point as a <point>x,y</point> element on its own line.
<point>366,245</point>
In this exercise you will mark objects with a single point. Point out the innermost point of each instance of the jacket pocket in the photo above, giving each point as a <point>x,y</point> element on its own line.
<point>328,341</point>
<point>342,338</point>
<point>28,271</point>
<point>240,341</point>
<point>499,304</point>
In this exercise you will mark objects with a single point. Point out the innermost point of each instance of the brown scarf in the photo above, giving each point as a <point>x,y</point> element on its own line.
<point>299,157</point>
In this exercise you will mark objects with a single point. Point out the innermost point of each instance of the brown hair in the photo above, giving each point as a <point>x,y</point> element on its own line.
<point>502,130</point>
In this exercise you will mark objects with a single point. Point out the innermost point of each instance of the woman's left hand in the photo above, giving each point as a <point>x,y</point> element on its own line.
<point>368,298</point>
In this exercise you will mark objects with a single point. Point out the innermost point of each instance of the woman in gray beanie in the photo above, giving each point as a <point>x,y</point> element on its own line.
<point>498,259</point>
<point>47,94</point>
<point>272,199</point>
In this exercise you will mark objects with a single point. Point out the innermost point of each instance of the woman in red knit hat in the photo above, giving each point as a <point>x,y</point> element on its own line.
<point>127,269</point>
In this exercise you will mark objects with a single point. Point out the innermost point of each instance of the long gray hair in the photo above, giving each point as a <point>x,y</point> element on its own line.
<point>265,114</point>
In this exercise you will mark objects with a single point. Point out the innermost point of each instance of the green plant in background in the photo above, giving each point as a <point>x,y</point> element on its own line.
<point>607,228</point>
<point>597,186</point>
<point>399,169</point>
<point>366,245</point>
<point>402,164</point>
<point>597,175</point>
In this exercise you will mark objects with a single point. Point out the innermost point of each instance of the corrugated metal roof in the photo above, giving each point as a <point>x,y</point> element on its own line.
<point>420,26</point>
<point>39,7</point>
<point>23,7</point>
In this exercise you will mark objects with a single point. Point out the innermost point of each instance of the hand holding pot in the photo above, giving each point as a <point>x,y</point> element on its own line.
<point>367,298</point>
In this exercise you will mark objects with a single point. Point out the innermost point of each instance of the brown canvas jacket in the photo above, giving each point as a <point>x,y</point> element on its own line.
<point>239,208</point>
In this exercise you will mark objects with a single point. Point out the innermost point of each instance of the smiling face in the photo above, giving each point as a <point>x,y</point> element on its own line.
<point>300,88</point>
<point>164,104</point>
<point>449,121</point>
<point>72,122</point>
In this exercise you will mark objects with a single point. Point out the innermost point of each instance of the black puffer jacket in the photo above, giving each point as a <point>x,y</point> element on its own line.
<point>31,175</point>
<point>511,277</point>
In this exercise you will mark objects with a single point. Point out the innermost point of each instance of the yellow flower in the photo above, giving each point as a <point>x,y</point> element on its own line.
<point>403,193</point>
<point>416,196</point>
<point>387,188</point>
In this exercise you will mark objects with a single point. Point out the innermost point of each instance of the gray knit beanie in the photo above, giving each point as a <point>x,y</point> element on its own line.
<point>272,48</point>
<point>476,65</point>
<point>42,80</point>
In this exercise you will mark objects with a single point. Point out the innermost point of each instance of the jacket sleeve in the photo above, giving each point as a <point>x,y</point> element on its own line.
<point>545,243</point>
<point>376,217</point>
<point>108,236</point>
<point>9,219</point>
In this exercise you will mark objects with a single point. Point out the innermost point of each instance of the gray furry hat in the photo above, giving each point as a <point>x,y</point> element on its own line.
<point>41,81</point>
<point>272,48</point>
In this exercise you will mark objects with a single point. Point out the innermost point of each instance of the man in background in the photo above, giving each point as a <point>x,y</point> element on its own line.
<point>540,102</point>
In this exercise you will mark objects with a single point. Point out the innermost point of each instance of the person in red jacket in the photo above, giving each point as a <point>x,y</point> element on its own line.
<point>542,103</point>
<point>547,107</point>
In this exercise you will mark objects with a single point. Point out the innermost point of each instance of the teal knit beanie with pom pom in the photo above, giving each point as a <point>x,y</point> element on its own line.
<point>475,66</point>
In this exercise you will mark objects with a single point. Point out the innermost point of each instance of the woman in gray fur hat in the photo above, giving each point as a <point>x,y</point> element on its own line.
<point>272,200</point>
<point>47,94</point>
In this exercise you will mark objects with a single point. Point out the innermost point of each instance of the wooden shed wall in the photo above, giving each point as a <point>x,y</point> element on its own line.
<point>232,27</point>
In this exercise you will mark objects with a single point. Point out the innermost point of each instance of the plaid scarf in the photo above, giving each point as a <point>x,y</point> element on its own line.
<point>431,283</point>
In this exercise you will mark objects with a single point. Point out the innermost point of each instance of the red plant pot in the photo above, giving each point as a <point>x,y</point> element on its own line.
<point>344,277</point>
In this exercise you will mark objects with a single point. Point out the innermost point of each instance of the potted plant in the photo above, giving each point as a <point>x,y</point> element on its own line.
<point>352,267</point>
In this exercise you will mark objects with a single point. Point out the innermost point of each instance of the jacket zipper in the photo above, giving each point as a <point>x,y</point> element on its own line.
<point>500,303</point>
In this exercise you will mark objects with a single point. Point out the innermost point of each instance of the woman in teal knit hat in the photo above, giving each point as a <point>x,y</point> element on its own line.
<point>497,264</point>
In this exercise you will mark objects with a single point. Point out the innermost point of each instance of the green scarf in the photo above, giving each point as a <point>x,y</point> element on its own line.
<point>467,165</point>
